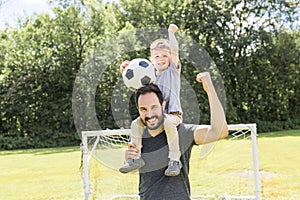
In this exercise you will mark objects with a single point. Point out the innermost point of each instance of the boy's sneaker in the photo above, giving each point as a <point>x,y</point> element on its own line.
<point>132,164</point>
<point>174,168</point>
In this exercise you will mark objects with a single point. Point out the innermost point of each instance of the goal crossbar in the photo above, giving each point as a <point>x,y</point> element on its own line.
<point>87,154</point>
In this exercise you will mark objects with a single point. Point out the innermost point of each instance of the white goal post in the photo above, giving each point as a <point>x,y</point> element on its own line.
<point>113,139</point>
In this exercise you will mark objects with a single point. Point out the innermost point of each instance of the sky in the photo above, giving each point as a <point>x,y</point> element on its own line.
<point>11,10</point>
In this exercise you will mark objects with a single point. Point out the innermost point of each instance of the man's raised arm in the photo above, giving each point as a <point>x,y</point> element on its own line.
<point>218,128</point>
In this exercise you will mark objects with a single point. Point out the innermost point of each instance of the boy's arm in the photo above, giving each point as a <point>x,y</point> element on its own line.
<point>174,44</point>
<point>218,128</point>
<point>123,65</point>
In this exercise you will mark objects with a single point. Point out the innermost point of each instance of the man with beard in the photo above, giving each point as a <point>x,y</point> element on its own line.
<point>153,183</point>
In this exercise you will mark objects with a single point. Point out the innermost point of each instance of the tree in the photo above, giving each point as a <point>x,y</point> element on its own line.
<point>236,34</point>
<point>254,44</point>
<point>41,61</point>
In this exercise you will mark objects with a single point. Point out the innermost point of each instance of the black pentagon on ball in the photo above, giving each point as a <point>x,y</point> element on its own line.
<point>143,64</point>
<point>145,80</point>
<point>129,74</point>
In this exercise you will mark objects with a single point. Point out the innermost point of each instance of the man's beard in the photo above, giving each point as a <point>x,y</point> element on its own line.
<point>159,123</point>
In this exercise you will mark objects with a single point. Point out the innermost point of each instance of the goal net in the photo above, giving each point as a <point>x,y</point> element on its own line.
<point>226,169</point>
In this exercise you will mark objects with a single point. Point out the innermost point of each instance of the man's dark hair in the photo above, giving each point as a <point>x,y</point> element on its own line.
<point>148,89</point>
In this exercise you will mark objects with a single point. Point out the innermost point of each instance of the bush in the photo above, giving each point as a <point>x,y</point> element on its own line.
<point>49,138</point>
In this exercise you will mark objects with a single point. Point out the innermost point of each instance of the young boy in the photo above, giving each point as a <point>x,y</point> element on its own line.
<point>164,56</point>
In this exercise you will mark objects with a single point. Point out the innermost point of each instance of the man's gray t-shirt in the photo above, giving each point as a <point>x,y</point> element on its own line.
<point>154,185</point>
<point>169,84</point>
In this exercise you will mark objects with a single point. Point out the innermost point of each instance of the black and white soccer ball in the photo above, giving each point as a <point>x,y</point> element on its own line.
<point>139,72</point>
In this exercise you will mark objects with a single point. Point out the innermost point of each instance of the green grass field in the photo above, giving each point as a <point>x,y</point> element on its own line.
<point>54,173</point>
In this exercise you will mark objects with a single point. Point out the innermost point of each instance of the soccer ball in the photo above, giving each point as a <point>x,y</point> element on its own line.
<point>139,72</point>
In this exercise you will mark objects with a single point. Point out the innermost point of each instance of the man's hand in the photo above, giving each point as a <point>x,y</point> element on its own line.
<point>131,151</point>
<point>124,65</point>
<point>205,79</point>
<point>173,28</point>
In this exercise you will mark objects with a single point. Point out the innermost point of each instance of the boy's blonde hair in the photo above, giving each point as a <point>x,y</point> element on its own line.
<point>160,44</point>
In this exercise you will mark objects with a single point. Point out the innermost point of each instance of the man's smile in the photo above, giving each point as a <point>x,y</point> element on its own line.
<point>151,120</point>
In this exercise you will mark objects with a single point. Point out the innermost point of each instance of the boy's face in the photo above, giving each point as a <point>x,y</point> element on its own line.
<point>160,58</point>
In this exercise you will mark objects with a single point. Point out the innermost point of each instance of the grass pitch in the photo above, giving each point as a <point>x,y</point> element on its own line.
<point>54,173</point>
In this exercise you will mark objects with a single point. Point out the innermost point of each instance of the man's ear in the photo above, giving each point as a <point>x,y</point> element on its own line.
<point>163,105</point>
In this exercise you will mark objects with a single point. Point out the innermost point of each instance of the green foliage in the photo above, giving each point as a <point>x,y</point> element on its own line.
<point>254,60</point>
<point>42,59</point>
<point>257,58</point>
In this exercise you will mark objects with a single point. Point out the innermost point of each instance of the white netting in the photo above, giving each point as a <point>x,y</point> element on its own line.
<point>225,169</point>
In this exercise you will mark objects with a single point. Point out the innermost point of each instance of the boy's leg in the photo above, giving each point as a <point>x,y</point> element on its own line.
<point>170,125</point>
<point>137,129</point>
<point>171,122</point>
